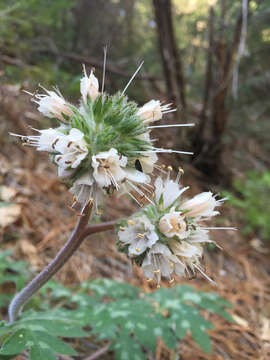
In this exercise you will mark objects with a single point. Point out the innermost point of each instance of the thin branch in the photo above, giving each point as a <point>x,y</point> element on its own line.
<point>92,229</point>
<point>98,353</point>
<point>109,67</point>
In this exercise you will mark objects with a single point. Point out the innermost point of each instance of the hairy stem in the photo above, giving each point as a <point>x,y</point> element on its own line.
<point>80,232</point>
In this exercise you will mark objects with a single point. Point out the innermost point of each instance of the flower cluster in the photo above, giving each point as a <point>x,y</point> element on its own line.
<point>101,146</point>
<point>166,236</point>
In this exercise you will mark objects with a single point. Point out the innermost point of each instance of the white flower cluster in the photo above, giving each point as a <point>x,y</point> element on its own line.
<point>167,236</point>
<point>91,164</point>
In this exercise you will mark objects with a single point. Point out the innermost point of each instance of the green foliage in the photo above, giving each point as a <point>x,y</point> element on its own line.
<point>12,273</point>
<point>252,200</point>
<point>107,310</point>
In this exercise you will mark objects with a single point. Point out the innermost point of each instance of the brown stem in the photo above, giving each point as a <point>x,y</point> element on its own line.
<point>92,229</point>
<point>75,240</point>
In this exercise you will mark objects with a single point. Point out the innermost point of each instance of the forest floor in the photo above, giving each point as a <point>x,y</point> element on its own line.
<point>40,223</point>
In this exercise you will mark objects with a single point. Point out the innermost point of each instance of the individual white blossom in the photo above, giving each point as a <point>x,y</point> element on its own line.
<point>82,188</point>
<point>152,111</point>
<point>108,168</point>
<point>174,224</point>
<point>160,261</point>
<point>71,149</point>
<point>53,105</point>
<point>169,190</point>
<point>202,205</point>
<point>89,86</point>
<point>148,161</point>
<point>139,235</point>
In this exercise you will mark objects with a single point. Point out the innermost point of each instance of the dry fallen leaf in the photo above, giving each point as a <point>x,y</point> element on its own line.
<point>7,193</point>
<point>265,330</point>
<point>240,321</point>
<point>9,213</point>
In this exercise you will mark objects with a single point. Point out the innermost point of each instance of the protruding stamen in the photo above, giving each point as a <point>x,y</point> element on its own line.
<point>171,264</point>
<point>148,280</point>
<point>170,168</point>
<point>171,281</point>
<point>132,77</point>
<point>131,222</point>
<point>140,235</point>
<point>158,286</point>
<point>121,228</point>
<point>137,249</point>
<point>157,271</point>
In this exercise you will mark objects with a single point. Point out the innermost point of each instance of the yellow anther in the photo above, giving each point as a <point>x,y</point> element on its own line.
<point>158,286</point>
<point>171,264</point>
<point>171,281</point>
<point>181,170</point>
<point>140,235</point>
<point>157,271</point>
<point>131,222</point>
<point>121,228</point>
<point>98,213</point>
<point>163,166</point>
<point>148,280</point>
<point>170,168</point>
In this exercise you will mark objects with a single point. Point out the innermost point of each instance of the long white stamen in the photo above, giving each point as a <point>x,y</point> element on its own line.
<point>204,275</point>
<point>104,68</point>
<point>220,228</point>
<point>133,197</point>
<point>139,191</point>
<point>167,126</point>
<point>157,150</point>
<point>132,77</point>
<point>169,111</point>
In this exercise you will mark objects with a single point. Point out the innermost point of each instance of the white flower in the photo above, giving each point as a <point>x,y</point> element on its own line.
<point>185,249</point>
<point>157,262</point>
<point>140,235</point>
<point>169,190</point>
<point>72,148</point>
<point>82,188</point>
<point>152,111</point>
<point>200,235</point>
<point>89,86</point>
<point>174,224</point>
<point>53,105</point>
<point>108,170</point>
<point>148,161</point>
<point>46,140</point>
<point>201,205</point>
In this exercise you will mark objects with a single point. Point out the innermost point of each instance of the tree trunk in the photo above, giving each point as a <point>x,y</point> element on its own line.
<point>171,60</point>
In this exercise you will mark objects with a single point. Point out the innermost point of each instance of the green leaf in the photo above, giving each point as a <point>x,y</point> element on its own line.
<point>202,339</point>
<point>127,348</point>
<point>39,353</point>
<point>17,342</point>
<point>54,343</point>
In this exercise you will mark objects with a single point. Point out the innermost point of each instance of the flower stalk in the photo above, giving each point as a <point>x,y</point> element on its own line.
<point>80,232</point>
